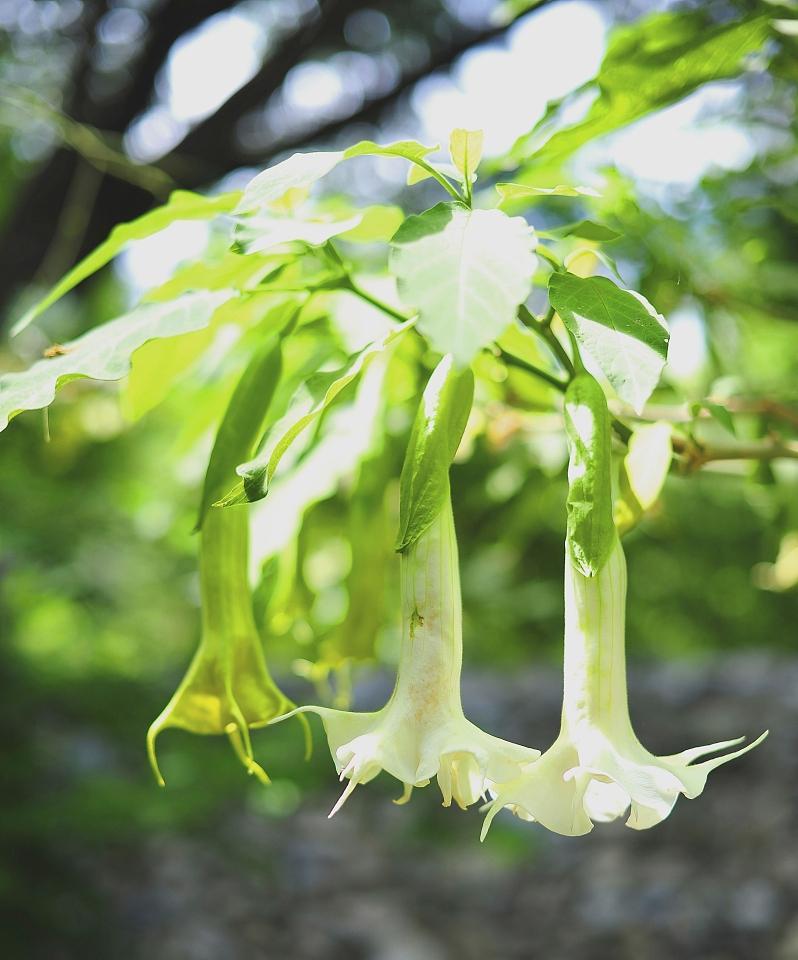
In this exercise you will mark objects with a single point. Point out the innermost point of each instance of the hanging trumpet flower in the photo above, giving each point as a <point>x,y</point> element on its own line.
<point>597,769</point>
<point>422,732</point>
<point>227,688</point>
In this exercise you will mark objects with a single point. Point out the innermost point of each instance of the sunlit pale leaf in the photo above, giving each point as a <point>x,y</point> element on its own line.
<point>104,353</point>
<point>182,205</point>
<point>643,472</point>
<point>302,170</point>
<point>521,191</point>
<point>623,333</point>
<point>466,272</point>
<point>260,233</point>
<point>320,391</point>
<point>465,147</point>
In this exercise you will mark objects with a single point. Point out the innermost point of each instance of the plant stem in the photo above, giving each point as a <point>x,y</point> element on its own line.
<point>548,378</point>
<point>549,336</point>
<point>353,287</point>
<point>443,181</point>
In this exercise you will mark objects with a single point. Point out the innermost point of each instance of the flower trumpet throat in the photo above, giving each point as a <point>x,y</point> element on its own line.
<point>227,688</point>
<point>597,769</point>
<point>422,732</point>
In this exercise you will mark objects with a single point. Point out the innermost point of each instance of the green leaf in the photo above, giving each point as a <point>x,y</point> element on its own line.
<point>623,333</point>
<point>590,526</point>
<point>721,415</point>
<point>104,353</point>
<point>260,233</point>
<point>245,418</point>
<point>466,272</point>
<point>378,223</point>
<point>437,430</point>
<point>465,147</point>
<point>182,205</point>
<point>643,474</point>
<point>302,170</point>
<point>407,149</point>
<point>320,391</point>
<point>510,192</point>
<point>649,65</point>
<point>586,229</point>
<point>299,171</point>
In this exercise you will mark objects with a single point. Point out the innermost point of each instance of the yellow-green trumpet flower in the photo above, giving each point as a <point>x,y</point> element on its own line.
<point>227,688</point>
<point>597,769</point>
<point>422,732</point>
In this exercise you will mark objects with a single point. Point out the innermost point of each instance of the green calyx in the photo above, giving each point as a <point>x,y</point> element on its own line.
<point>227,688</point>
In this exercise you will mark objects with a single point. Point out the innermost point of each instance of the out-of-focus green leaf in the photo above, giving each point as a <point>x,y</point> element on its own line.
<point>720,414</point>
<point>104,353</point>
<point>465,147</point>
<point>182,205</point>
<point>643,473</point>
<point>378,224</point>
<point>260,233</point>
<point>465,271</point>
<point>648,65</point>
<point>245,418</point>
<point>619,329</point>
<point>437,430</point>
<point>320,391</point>
<point>586,229</point>
<point>513,192</point>
<point>590,527</point>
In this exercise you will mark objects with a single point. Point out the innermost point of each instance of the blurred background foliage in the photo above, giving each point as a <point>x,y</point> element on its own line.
<point>98,582</point>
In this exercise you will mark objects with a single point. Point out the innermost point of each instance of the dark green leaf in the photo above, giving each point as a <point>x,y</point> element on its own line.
<point>590,525</point>
<point>245,418</point>
<point>620,330</point>
<point>437,431</point>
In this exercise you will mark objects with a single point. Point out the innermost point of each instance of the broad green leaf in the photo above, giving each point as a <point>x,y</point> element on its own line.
<point>262,232</point>
<point>649,65</point>
<point>590,526</point>
<point>509,192</point>
<point>586,229</point>
<point>302,170</point>
<point>643,473</point>
<point>182,205</point>
<point>466,272</point>
<point>104,353</point>
<point>229,272</point>
<point>320,391</point>
<point>244,420</point>
<point>437,430</point>
<point>465,147</point>
<point>620,330</point>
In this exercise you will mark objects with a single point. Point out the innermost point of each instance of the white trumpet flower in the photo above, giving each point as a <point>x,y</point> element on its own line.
<point>422,732</point>
<point>597,769</point>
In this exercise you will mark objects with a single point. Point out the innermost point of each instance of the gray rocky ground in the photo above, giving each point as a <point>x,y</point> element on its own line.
<point>718,880</point>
